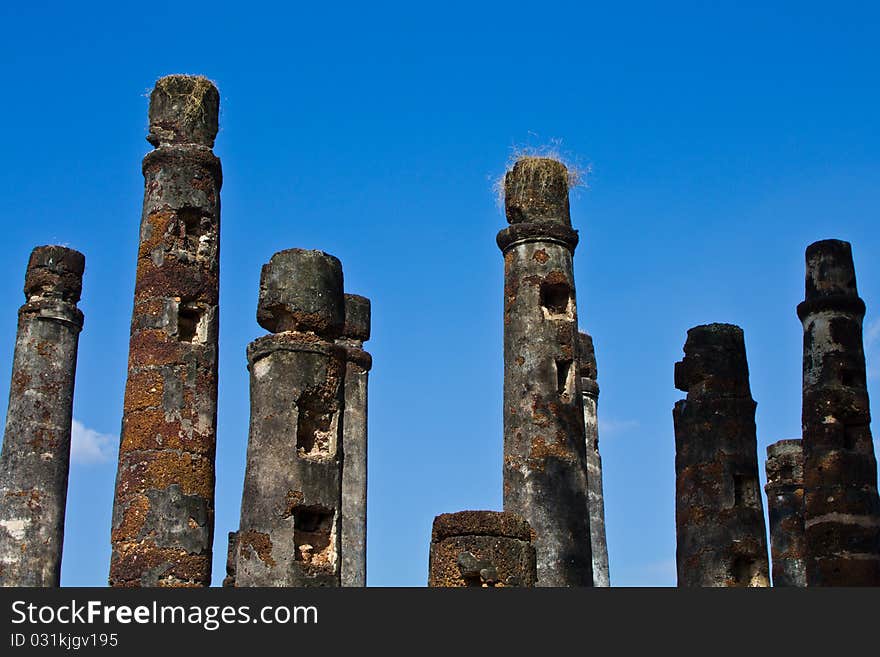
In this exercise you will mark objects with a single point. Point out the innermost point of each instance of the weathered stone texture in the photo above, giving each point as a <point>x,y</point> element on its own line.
<point>231,556</point>
<point>718,512</point>
<point>545,461</point>
<point>785,507</point>
<point>841,506</point>
<point>291,505</point>
<point>35,459</point>
<point>163,513</point>
<point>590,391</point>
<point>353,542</point>
<point>481,549</point>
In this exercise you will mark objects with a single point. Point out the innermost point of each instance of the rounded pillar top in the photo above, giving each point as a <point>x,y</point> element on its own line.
<point>787,446</point>
<point>830,270</point>
<point>714,361</point>
<point>302,291</point>
<point>586,356</point>
<point>536,191</point>
<point>785,462</point>
<point>480,523</point>
<point>54,272</point>
<point>357,317</point>
<point>184,109</point>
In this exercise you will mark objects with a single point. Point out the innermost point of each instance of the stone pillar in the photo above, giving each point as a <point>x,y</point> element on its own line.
<point>545,462</point>
<point>231,556</point>
<point>354,441</point>
<point>292,500</point>
<point>163,512</point>
<point>481,549</point>
<point>785,507</point>
<point>841,506</point>
<point>719,515</point>
<point>590,392</point>
<point>35,459</point>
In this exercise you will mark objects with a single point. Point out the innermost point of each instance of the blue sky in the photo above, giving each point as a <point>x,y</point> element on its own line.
<point>722,139</point>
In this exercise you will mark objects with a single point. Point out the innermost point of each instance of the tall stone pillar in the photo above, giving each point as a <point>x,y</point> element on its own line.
<point>481,549</point>
<point>841,506</point>
<point>590,392</point>
<point>35,459</point>
<point>163,512</point>
<point>291,505</point>
<point>354,441</point>
<point>545,462</point>
<point>785,507</point>
<point>719,515</point>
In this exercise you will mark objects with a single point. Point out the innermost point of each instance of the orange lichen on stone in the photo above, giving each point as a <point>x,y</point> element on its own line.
<point>260,543</point>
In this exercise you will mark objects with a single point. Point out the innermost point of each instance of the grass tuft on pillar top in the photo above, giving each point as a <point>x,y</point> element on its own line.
<point>537,157</point>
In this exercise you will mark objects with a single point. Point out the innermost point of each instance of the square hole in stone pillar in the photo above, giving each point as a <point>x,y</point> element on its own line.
<point>192,324</point>
<point>314,537</point>
<point>556,300</point>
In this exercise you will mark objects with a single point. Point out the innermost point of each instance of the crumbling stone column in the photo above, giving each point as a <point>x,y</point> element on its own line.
<point>785,507</point>
<point>292,500</point>
<point>590,392</point>
<point>545,462</point>
<point>354,441</point>
<point>35,459</point>
<point>163,512</point>
<point>719,515</point>
<point>481,549</point>
<point>231,556</point>
<point>841,506</point>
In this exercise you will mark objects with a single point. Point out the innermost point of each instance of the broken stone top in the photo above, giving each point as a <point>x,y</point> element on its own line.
<point>586,356</point>
<point>184,109</point>
<point>357,317</point>
<point>785,462</point>
<point>714,362</point>
<point>536,191</point>
<point>54,272</point>
<point>480,523</point>
<point>302,291</point>
<point>830,270</point>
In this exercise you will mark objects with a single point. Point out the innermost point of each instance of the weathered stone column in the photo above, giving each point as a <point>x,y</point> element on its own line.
<point>841,506</point>
<point>163,513</point>
<point>481,549</point>
<point>590,392</point>
<point>35,459</point>
<point>545,462</point>
<point>719,515</point>
<point>231,556</point>
<point>292,500</point>
<point>785,507</point>
<point>354,441</point>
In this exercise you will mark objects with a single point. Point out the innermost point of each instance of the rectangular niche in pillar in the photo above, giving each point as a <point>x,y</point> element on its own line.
<point>315,428</point>
<point>314,537</point>
<point>556,300</point>
<point>192,324</point>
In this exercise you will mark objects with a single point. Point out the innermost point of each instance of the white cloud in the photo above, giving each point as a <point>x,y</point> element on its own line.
<point>87,446</point>
<point>611,427</point>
